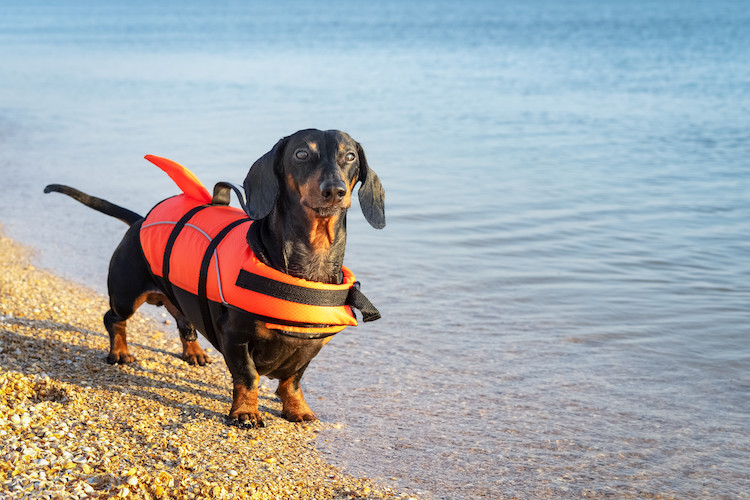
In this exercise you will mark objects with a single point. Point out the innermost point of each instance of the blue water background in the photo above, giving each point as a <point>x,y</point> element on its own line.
<point>565,274</point>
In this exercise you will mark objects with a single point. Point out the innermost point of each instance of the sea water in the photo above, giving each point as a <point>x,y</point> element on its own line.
<point>565,275</point>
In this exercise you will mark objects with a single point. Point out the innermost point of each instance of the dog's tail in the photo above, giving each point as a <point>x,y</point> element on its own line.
<point>127,216</point>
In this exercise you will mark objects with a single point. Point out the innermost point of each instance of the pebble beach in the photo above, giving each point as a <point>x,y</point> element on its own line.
<point>72,426</point>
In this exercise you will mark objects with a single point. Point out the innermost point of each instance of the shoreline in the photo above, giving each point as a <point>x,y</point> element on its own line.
<point>72,426</point>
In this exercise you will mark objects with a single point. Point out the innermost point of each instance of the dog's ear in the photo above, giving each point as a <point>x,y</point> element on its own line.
<point>262,184</point>
<point>371,193</point>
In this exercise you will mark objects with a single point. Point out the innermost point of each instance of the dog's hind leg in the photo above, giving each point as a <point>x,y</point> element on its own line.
<point>118,345</point>
<point>192,352</point>
<point>130,285</point>
<point>115,320</point>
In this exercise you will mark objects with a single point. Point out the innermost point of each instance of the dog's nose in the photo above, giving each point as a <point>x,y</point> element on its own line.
<point>333,191</point>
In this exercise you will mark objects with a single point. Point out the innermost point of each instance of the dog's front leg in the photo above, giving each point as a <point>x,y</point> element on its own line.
<point>238,356</point>
<point>295,408</point>
<point>244,412</point>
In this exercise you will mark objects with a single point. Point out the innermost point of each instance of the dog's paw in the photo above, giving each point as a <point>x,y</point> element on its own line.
<point>122,358</point>
<point>193,354</point>
<point>245,420</point>
<point>301,416</point>
<point>196,359</point>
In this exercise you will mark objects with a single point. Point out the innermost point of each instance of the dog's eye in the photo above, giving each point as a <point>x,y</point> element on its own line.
<point>301,154</point>
<point>350,156</point>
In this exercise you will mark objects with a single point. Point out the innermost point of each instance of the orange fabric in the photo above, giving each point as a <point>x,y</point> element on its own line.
<point>184,178</point>
<point>233,254</point>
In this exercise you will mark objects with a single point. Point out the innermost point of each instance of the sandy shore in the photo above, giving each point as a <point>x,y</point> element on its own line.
<point>72,426</point>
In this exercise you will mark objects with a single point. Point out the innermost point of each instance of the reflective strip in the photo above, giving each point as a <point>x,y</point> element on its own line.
<point>216,255</point>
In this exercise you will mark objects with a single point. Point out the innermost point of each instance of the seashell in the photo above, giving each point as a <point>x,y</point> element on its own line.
<point>98,480</point>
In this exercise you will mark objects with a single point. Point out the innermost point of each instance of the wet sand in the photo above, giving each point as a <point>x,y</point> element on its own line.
<point>72,426</point>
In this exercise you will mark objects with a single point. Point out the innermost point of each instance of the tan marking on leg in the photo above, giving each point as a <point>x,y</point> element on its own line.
<point>245,406</point>
<point>192,352</point>
<point>118,345</point>
<point>295,408</point>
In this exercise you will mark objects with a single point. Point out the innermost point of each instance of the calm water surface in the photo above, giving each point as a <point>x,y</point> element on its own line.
<point>565,275</point>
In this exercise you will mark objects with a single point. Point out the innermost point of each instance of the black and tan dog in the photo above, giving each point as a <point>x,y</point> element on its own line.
<point>297,195</point>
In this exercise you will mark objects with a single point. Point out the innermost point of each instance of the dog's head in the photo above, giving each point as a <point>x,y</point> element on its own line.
<point>318,170</point>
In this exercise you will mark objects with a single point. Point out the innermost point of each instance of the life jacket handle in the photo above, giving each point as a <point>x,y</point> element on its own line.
<point>222,194</point>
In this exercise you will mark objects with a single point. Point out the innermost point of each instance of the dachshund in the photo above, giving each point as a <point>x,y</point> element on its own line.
<point>297,197</point>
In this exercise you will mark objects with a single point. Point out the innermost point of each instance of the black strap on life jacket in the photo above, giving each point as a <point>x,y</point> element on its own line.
<point>208,323</point>
<point>358,300</point>
<point>170,245</point>
<point>352,297</point>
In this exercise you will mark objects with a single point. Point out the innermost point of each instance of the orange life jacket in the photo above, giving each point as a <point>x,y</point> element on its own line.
<point>202,248</point>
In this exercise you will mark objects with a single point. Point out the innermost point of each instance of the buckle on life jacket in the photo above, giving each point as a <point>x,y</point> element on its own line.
<point>357,300</point>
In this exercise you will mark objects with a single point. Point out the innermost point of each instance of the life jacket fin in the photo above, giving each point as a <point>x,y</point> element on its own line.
<point>184,178</point>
